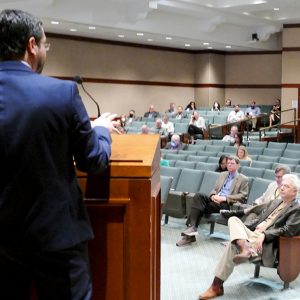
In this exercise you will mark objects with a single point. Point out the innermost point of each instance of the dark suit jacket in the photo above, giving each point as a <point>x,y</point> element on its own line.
<point>287,223</point>
<point>238,190</point>
<point>155,114</point>
<point>43,126</point>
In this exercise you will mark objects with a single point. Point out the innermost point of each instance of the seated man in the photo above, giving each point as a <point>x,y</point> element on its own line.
<point>151,114</point>
<point>158,128</point>
<point>229,188</point>
<point>258,238</point>
<point>231,137</point>
<point>235,115</point>
<point>252,112</point>
<point>180,113</point>
<point>168,126</point>
<point>175,143</point>
<point>272,193</point>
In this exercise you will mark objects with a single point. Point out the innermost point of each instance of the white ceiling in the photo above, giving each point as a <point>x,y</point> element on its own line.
<point>220,23</point>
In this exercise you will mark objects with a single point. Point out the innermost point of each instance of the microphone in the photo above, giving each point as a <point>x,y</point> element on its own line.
<point>79,80</point>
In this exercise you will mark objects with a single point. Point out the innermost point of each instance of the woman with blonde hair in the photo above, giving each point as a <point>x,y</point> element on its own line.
<point>242,154</point>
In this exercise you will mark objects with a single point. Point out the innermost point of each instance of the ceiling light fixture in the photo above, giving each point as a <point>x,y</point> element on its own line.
<point>228,46</point>
<point>210,47</point>
<point>92,27</point>
<point>139,34</point>
<point>54,22</point>
<point>205,43</point>
<point>246,13</point>
<point>168,38</point>
<point>73,29</point>
<point>187,45</point>
<point>149,40</point>
<point>121,36</point>
<point>276,8</point>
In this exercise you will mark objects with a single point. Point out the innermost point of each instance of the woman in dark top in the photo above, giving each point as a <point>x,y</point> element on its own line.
<point>191,106</point>
<point>222,164</point>
<point>238,140</point>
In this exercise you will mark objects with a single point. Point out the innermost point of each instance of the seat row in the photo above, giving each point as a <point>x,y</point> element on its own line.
<point>187,182</point>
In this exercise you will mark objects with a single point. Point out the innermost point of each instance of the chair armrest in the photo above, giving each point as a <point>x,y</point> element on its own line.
<point>288,267</point>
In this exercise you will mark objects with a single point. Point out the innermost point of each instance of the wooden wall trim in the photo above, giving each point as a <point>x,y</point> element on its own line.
<point>291,85</point>
<point>174,84</point>
<point>291,25</point>
<point>254,52</point>
<point>290,49</point>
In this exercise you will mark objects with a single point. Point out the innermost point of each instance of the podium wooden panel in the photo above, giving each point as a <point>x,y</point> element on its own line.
<point>124,208</point>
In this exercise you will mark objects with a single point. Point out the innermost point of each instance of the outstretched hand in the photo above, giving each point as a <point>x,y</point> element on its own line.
<point>106,120</point>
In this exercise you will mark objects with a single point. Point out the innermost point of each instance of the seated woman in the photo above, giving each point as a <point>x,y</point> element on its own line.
<point>238,140</point>
<point>222,166</point>
<point>196,126</point>
<point>275,113</point>
<point>242,154</point>
<point>191,106</point>
<point>216,106</point>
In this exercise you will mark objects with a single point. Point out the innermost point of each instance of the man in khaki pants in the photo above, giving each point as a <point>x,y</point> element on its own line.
<point>255,239</point>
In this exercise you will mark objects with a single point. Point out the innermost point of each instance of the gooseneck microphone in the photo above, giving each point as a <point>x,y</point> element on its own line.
<point>79,80</point>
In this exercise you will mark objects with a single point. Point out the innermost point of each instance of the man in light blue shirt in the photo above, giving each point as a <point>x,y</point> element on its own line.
<point>252,112</point>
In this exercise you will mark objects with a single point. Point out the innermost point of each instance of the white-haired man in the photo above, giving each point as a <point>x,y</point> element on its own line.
<point>257,239</point>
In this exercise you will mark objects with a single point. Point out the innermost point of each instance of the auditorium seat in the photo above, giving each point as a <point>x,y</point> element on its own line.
<point>267,158</point>
<point>197,158</point>
<point>171,172</point>
<point>276,145</point>
<point>252,172</point>
<point>185,164</point>
<point>273,152</point>
<point>261,164</point>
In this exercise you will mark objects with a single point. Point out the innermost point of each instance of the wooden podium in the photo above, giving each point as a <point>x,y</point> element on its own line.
<point>124,208</point>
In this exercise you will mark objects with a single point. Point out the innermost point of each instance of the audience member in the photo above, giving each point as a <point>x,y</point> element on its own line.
<point>123,120</point>
<point>180,113</point>
<point>228,103</point>
<point>231,137</point>
<point>191,106</point>
<point>171,110</point>
<point>144,129</point>
<point>164,162</point>
<point>119,125</point>
<point>272,193</point>
<point>252,112</point>
<point>151,113</point>
<point>168,126</point>
<point>242,154</point>
<point>230,187</point>
<point>275,115</point>
<point>235,115</point>
<point>131,116</point>
<point>175,143</point>
<point>238,140</point>
<point>216,106</point>
<point>196,125</point>
<point>222,165</point>
<point>159,128</point>
<point>259,237</point>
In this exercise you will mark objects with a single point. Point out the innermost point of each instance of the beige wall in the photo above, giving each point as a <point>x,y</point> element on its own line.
<point>253,69</point>
<point>116,62</point>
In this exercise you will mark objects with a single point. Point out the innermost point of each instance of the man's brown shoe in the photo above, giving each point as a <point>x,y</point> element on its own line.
<point>215,290</point>
<point>186,240</point>
<point>241,258</point>
<point>212,292</point>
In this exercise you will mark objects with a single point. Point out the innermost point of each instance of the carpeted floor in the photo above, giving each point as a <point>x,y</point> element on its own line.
<point>188,271</point>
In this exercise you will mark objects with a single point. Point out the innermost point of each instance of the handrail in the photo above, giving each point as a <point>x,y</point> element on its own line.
<point>263,115</point>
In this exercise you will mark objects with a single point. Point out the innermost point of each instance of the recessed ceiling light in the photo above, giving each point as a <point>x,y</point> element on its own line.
<point>73,29</point>
<point>54,22</point>
<point>92,27</point>
<point>246,13</point>
<point>139,34</point>
<point>276,8</point>
<point>228,46</point>
<point>187,45</point>
<point>121,36</point>
<point>209,5</point>
<point>149,40</point>
<point>210,47</point>
<point>169,38</point>
<point>205,43</point>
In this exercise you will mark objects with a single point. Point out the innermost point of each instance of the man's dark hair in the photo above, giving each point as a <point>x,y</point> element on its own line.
<point>16,28</point>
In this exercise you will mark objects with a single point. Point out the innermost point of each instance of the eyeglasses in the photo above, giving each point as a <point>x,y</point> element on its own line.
<point>47,46</point>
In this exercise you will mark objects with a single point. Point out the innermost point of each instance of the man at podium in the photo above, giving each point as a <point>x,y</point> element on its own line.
<point>44,127</point>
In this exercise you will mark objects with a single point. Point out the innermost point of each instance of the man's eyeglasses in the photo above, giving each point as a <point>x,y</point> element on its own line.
<point>47,46</point>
